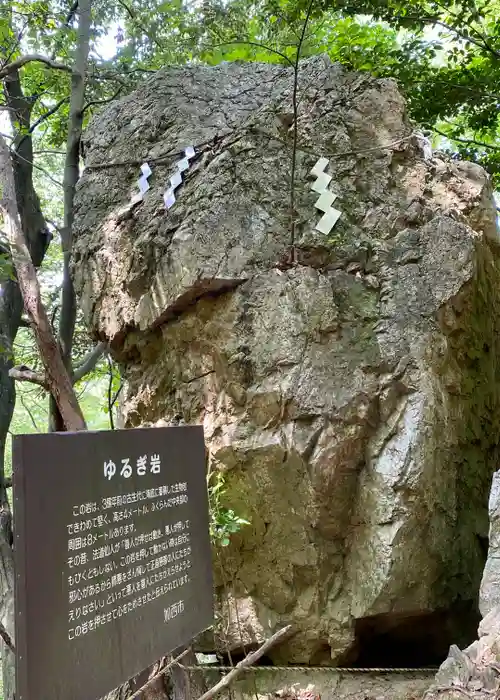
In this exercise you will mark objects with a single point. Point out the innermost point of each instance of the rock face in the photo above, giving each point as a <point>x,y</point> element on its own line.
<point>489,597</point>
<point>475,672</point>
<point>348,383</point>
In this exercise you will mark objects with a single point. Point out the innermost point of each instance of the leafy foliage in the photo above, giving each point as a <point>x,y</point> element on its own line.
<point>443,53</point>
<point>448,67</point>
<point>223,521</point>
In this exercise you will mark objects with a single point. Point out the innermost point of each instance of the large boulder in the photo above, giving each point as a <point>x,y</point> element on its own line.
<point>348,382</point>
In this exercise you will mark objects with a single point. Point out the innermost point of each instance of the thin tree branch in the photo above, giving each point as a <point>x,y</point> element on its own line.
<point>115,397</point>
<point>31,58</point>
<point>71,14</point>
<point>43,118</point>
<point>110,394</point>
<point>433,20</point>
<point>252,43</point>
<point>6,638</point>
<point>103,102</point>
<point>154,678</point>
<point>49,152</point>
<point>467,37</point>
<point>30,414</point>
<point>25,374</point>
<point>247,661</point>
<point>38,167</point>
<point>67,317</point>
<point>20,36</point>
<point>465,140</point>
<point>89,362</point>
<point>296,131</point>
<point>48,114</point>
<point>77,99</point>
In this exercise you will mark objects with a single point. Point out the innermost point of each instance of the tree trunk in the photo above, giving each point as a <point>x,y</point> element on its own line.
<point>11,307</point>
<point>58,379</point>
<point>56,357</point>
<point>10,312</point>
<point>71,175</point>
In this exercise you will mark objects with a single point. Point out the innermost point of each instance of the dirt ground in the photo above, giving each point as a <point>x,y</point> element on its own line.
<point>327,684</point>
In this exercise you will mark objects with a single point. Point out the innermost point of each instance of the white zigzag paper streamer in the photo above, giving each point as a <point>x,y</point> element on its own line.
<point>142,183</point>
<point>326,198</point>
<point>176,179</point>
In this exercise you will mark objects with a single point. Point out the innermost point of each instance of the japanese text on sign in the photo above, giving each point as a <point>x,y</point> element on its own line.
<point>118,564</point>
<point>112,554</point>
<point>142,465</point>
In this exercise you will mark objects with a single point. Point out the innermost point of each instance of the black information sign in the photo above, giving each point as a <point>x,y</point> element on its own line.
<point>112,554</point>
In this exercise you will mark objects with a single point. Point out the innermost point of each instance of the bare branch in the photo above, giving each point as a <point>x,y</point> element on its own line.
<point>29,412</point>
<point>67,317</point>
<point>154,678</point>
<point>49,152</point>
<point>103,102</point>
<point>48,114</point>
<point>481,43</point>
<point>31,58</point>
<point>89,362</point>
<point>75,126</point>
<point>247,661</point>
<point>38,167</point>
<point>110,394</point>
<point>253,43</point>
<point>25,374</point>
<point>6,638</point>
<point>41,119</point>
<point>295,130</point>
<point>458,139</point>
<point>71,14</point>
<point>116,396</point>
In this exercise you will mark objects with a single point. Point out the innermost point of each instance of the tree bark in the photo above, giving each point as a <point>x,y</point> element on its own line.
<point>89,362</point>
<point>29,58</point>
<point>58,378</point>
<point>71,175</point>
<point>249,660</point>
<point>10,311</point>
<point>186,685</point>
<point>56,356</point>
<point>11,308</point>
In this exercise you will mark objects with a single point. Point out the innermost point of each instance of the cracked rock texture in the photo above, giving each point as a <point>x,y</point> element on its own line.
<point>351,397</point>
<point>475,672</point>
<point>490,584</point>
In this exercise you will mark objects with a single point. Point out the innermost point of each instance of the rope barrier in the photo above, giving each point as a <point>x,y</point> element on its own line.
<point>328,669</point>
